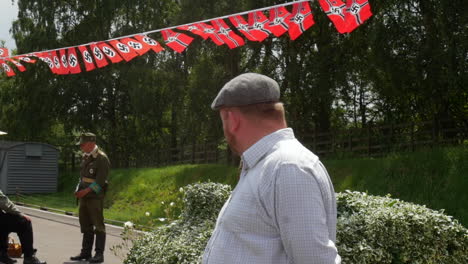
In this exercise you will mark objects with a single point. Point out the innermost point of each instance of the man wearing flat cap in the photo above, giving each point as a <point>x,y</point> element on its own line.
<point>283,209</point>
<point>90,191</point>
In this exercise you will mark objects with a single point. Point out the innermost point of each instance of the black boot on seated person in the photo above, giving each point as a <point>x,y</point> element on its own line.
<point>33,260</point>
<point>5,259</point>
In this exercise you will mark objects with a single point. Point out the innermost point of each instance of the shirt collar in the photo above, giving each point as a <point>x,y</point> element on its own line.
<point>257,151</point>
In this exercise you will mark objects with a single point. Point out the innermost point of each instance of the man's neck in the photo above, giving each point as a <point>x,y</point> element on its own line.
<point>254,135</point>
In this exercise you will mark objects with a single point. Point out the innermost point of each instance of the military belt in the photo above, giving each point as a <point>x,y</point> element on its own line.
<point>88,180</point>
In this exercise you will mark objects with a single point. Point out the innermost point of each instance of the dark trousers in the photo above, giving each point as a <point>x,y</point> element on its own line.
<point>15,223</point>
<point>91,215</point>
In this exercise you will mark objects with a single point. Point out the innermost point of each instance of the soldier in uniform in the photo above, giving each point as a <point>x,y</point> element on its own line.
<point>90,191</point>
<point>12,220</point>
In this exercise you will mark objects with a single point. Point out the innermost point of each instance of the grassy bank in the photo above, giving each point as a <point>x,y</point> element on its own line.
<point>437,178</point>
<point>133,192</point>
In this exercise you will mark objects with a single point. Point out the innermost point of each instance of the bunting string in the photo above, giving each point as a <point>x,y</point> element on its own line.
<point>345,16</point>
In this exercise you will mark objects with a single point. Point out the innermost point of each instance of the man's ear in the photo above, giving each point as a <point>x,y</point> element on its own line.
<point>234,120</point>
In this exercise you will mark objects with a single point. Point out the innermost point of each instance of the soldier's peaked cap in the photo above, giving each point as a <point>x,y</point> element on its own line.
<point>247,89</point>
<point>86,137</point>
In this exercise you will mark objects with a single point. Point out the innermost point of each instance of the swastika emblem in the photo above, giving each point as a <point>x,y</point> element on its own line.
<point>97,53</point>
<point>87,56</point>
<point>135,45</point>
<point>123,48</point>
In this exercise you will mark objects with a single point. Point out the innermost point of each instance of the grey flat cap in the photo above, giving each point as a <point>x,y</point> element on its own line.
<point>247,89</point>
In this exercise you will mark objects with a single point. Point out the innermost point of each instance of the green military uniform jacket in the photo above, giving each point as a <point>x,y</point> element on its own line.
<point>8,206</point>
<point>94,172</point>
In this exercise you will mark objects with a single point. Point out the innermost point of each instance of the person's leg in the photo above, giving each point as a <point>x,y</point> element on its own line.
<point>4,231</point>
<point>5,228</point>
<point>97,218</point>
<point>23,228</point>
<point>86,227</point>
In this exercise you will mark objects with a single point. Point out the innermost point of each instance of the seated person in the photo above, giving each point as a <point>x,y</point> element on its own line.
<point>14,221</point>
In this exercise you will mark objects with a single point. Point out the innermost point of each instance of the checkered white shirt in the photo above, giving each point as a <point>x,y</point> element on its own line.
<point>283,210</point>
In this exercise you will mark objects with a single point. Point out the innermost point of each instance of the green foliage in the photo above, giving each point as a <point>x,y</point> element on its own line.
<point>434,177</point>
<point>183,240</point>
<point>134,192</point>
<point>370,229</point>
<point>405,63</point>
<point>373,229</point>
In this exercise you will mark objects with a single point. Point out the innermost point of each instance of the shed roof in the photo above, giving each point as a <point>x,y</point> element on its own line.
<point>4,145</point>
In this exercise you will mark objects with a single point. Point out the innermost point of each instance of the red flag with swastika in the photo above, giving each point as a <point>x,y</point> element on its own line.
<point>195,30</point>
<point>176,41</point>
<point>135,45</point>
<point>64,62</point>
<point>358,11</point>
<point>18,65</point>
<point>153,44</point>
<point>58,69</point>
<point>8,70</point>
<point>73,63</point>
<point>226,34</point>
<point>124,50</point>
<point>335,10</point>
<point>259,25</point>
<point>47,58</point>
<point>87,58</point>
<point>4,52</point>
<point>110,53</point>
<point>279,20</point>
<point>301,19</point>
<point>242,25</point>
<point>99,57</point>
<point>210,31</point>
<point>26,59</point>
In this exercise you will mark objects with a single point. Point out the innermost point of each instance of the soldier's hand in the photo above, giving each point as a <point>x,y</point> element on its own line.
<point>82,193</point>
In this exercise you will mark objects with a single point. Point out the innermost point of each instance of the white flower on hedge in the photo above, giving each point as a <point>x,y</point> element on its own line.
<point>162,219</point>
<point>172,204</point>
<point>128,224</point>
<point>181,189</point>
<point>162,203</point>
<point>147,214</point>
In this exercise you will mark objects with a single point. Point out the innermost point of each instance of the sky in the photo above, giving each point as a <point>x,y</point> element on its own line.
<point>8,13</point>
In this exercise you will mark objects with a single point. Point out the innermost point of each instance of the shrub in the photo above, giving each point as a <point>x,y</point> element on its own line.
<point>373,229</point>
<point>183,240</point>
<point>370,229</point>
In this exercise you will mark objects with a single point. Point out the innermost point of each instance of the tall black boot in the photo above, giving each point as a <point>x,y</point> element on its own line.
<point>99,247</point>
<point>86,247</point>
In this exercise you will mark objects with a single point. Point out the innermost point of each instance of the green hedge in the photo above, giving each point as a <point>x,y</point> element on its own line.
<point>183,240</point>
<point>370,229</point>
<point>374,229</point>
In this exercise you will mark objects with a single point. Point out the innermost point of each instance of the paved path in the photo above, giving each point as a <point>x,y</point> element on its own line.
<point>57,237</point>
